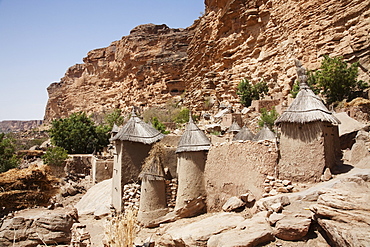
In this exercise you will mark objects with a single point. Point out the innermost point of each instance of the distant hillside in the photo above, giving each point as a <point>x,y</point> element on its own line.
<point>16,126</point>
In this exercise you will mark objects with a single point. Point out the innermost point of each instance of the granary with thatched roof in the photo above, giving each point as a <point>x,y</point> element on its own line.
<point>244,135</point>
<point>191,158</point>
<point>132,145</point>
<point>309,140</point>
<point>265,134</point>
<point>153,203</point>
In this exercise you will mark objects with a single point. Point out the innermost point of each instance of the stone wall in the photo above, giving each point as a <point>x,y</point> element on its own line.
<point>234,168</point>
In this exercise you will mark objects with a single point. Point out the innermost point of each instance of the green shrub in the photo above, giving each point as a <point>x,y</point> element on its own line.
<point>78,134</point>
<point>55,156</point>
<point>182,116</point>
<point>8,159</point>
<point>159,125</point>
<point>114,117</point>
<point>268,118</point>
<point>336,80</point>
<point>248,92</point>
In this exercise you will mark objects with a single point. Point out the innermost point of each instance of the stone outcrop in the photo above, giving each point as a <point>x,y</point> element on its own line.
<point>343,211</point>
<point>232,40</point>
<point>34,227</point>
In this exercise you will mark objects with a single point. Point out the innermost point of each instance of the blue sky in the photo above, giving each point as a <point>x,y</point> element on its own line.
<point>41,39</point>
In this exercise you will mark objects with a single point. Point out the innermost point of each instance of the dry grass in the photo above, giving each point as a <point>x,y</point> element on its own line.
<point>121,230</point>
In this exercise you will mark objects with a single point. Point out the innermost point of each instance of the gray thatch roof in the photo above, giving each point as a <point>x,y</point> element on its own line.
<point>265,134</point>
<point>244,134</point>
<point>193,139</point>
<point>153,168</point>
<point>136,130</point>
<point>234,128</point>
<point>305,108</point>
<point>115,129</point>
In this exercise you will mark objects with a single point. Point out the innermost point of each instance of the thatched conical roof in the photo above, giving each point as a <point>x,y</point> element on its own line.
<point>136,130</point>
<point>305,108</point>
<point>115,129</point>
<point>265,134</point>
<point>234,128</point>
<point>153,168</point>
<point>244,134</point>
<point>193,139</point>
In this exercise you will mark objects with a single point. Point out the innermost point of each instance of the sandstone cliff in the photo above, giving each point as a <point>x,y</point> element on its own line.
<point>232,40</point>
<point>17,126</point>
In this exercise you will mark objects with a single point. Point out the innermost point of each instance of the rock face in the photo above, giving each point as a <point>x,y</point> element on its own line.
<point>233,40</point>
<point>16,126</point>
<point>343,211</point>
<point>142,66</point>
<point>33,227</point>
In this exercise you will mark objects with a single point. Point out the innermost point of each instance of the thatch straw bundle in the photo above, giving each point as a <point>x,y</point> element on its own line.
<point>244,134</point>
<point>136,130</point>
<point>306,107</point>
<point>153,167</point>
<point>193,139</point>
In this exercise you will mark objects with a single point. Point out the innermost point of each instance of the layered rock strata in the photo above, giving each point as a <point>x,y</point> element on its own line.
<point>234,39</point>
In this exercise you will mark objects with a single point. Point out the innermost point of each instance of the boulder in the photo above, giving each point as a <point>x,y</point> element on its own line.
<point>198,233</point>
<point>233,204</point>
<point>343,211</point>
<point>251,232</point>
<point>32,227</point>
<point>292,228</point>
<point>97,199</point>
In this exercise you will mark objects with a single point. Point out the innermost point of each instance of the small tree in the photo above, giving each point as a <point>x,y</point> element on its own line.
<point>335,79</point>
<point>78,134</point>
<point>159,125</point>
<point>268,117</point>
<point>115,117</point>
<point>8,159</point>
<point>248,92</point>
<point>55,156</point>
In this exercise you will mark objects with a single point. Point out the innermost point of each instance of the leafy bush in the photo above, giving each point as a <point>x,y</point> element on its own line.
<point>159,125</point>
<point>248,92</point>
<point>268,117</point>
<point>336,80</point>
<point>114,117</point>
<point>8,159</point>
<point>78,134</point>
<point>55,156</point>
<point>182,116</point>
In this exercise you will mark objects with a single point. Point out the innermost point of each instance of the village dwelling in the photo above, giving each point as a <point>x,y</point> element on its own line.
<point>132,145</point>
<point>191,156</point>
<point>309,139</point>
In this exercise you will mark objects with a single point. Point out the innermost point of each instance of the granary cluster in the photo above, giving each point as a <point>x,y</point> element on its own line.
<point>308,143</point>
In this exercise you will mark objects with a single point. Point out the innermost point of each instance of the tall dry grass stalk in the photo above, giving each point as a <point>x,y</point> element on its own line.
<point>121,230</point>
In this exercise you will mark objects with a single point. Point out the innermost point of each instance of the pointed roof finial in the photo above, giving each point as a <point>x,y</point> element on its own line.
<point>190,118</point>
<point>302,75</point>
<point>133,113</point>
